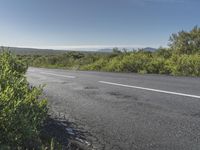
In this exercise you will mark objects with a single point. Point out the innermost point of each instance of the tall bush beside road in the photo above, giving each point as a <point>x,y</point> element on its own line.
<point>21,111</point>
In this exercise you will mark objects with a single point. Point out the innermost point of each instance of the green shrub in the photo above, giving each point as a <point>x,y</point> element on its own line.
<point>114,64</point>
<point>187,65</point>
<point>135,62</point>
<point>156,65</point>
<point>21,113</point>
<point>97,65</point>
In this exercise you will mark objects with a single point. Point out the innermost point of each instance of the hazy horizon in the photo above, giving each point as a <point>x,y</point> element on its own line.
<point>84,47</point>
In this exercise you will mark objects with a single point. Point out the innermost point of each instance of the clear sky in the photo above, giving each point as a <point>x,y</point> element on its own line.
<point>94,23</point>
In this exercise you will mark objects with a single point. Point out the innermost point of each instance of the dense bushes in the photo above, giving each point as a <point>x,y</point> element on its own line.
<point>163,61</point>
<point>21,113</point>
<point>181,58</point>
<point>187,65</point>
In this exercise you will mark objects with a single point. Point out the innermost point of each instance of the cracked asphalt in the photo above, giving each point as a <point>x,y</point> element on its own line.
<point>124,117</point>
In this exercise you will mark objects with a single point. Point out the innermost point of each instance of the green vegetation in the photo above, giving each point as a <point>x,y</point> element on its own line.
<point>181,58</point>
<point>21,111</point>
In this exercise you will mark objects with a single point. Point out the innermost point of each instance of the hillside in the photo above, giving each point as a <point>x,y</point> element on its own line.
<point>34,51</point>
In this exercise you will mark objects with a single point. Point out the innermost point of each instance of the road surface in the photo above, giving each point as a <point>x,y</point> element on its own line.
<point>126,111</point>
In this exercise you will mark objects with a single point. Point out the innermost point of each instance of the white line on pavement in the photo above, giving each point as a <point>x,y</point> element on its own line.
<point>149,89</point>
<point>58,75</point>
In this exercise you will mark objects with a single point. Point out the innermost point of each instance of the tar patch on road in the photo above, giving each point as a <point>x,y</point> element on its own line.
<point>119,95</point>
<point>91,88</point>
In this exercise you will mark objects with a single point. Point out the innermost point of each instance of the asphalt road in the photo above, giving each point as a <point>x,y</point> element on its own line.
<point>127,111</point>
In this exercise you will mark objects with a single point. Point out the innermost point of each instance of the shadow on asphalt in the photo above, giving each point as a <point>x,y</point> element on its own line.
<point>65,133</point>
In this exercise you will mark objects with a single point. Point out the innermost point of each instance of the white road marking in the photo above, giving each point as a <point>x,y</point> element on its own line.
<point>58,75</point>
<point>149,89</point>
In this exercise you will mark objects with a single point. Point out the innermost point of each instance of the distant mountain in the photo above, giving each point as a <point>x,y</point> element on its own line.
<point>108,50</point>
<point>149,49</point>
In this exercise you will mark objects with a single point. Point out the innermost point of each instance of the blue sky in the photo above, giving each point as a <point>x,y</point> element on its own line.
<point>63,24</point>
